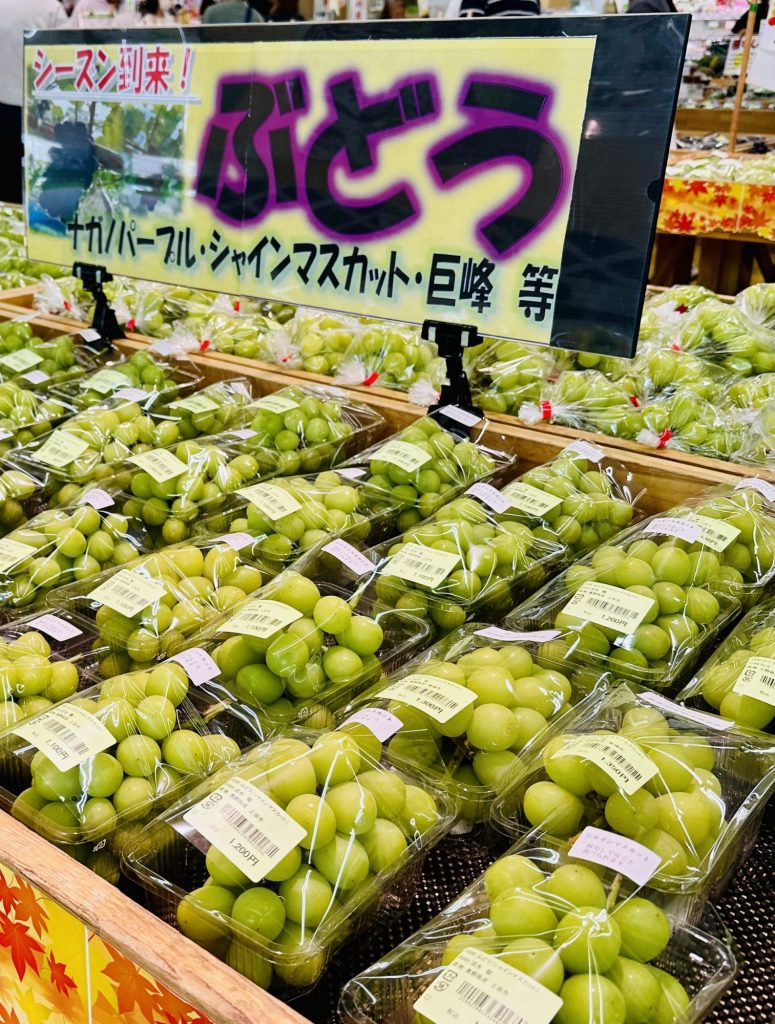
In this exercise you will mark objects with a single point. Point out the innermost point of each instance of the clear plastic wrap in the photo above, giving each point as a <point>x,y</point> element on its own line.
<point>322,339</point>
<point>142,372</point>
<point>300,648</point>
<point>738,680</point>
<point>248,335</point>
<point>22,495</point>
<point>425,465</point>
<point>25,415</point>
<point>32,360</point>
<point>758,304</point>
<point>147,610</point>
<point>86,773</point>
<point>674,302</point>
<point>680,784</point>
<point>646,606</point>
<point>62,296</point>
<point>138,305</point>
<point>661,372</point>
<point>723,334</point>
<point>684,421</point>
<point>45,657</point>
<point>504,374</point>
<point>292,515</point>
<point>279,858</point>
<point>462,563</point>
<point>390,356</point>
<point>213,409</point>
<point>58,546</point>
<point>545,936</point>
<point>465,710</point>
<point>311,427</point>
<point>586,400</point>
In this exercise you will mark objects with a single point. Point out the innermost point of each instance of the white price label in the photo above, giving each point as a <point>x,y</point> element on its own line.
<point>97,498</point>
<point>439,698</point>
<point>276,403</point>
<point>60,449</point>
<point>195,403</point>
<point>20,360</point>
<point>715,533</point>
<point>261,619</point>
<point>349,556</point>
<point>700,717</point>
<point>67,735</point>
<point>159,464</point>
<point>35,377</point>
<point>620,758</point>
<point>587,449</point>
<point>616,852</point>
<point>537,636</point>
<point>609,606</point>
<point>757,680</point>
<point>13,553</point>
<point>127,593</point>
<point>406,456</point>
<point>55,627</point>
<point>246,826</point>
<point>103,381</point>
<point>275,502</point>
<point>529,499</point>
<point>674,526</point>
<point>89,334</point>
<point>198,665</point>
<point>454,412</point>
<point>755,483</point>
<point>237,541</point>
<point>380,721</point>
<point>351,472</point>
<point>490,496</point>
<point>478,988</point>
<point>418,564</point>
<point>132,394</point>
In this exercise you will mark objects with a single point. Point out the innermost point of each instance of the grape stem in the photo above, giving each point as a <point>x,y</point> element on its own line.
<point>613,892</point>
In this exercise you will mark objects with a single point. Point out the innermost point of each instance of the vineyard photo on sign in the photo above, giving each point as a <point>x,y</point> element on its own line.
<point>403,178</point>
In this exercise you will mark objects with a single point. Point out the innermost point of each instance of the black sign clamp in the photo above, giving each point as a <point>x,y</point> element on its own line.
<point>105,321</point>
<point>451,340</point>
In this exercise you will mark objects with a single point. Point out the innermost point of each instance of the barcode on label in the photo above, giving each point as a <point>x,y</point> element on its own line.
<point>714,534</point>
<point>421,565</point>
<point>439,698</point>
<point>69,738</point>
<point>68,735</point>
<point>757,680</point>
<point>159,464</point>
<point>404,455</point>
<point>261,619</point>
<point>609,606</point>
<point>59,449</point>
<point>620,758</point>
<point>530,499</point>
<point>493,1009</point>
<point>273,501</point>
<point>127,592</point>
<point>259,841</point>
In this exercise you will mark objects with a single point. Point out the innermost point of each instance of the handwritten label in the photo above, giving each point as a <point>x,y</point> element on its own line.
<point>20,360</point>
<point>674,526</point>
<point>757,680</point>
<point>454,412</point>
<point>380,721</point>
<point>479,988</point>
<point>700,717</point>
<point>406,456</point>
<point>67,735</point>
<point>616,852</point>
<point>537,636</point>
<point>620,758</point>
<point>349,556</point>
<point>55,627</point>
<point>609,606</point>
<point>97,498</point>
<point>60,449</point>
<point>529,499</point>
<point>159,464</point>
<point>490,496</point>
<point>275,502</point>
<point>422,565</point>
<point>13,552</point>
<point>261,619</point>
<point>128,593</point>
<point>197,664</point>
<point>439,698</point>
<point>246,826</point>
<point>244,434</point>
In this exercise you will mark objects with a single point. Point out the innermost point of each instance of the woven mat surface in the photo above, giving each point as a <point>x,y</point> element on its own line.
<point>747,907</point>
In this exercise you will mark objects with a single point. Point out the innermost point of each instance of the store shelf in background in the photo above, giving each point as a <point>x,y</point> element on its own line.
<point>704,120</point>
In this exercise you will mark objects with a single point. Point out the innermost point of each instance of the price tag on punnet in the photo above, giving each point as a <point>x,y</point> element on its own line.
<point>261,619</point>
<point>418,564</point>
<point>380,721</point>
<point>619,853</point>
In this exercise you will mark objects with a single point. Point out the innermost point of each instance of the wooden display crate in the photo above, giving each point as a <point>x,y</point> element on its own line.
<point>210,987</point>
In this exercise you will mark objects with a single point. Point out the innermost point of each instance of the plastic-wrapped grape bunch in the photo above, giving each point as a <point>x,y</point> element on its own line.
<point>85,773</point>
<point>62,295</point>
<point>21,496</point>
<point>723,334</point>
<point>673,303</point>
<point>311,427</point>
<point>424,466</point>
<point>25,415</point>
<point>61,545</point>
<point>738,680</point>
<point>212,410</point>
<point>460,564</point>
<point>33,360</point>
<point>298,649</point>
<point>661,372</point>
<point>586,400</point>
<point>646,606</point>
<point>568,938</point>
<point>322,339</point>
<point>138,305</point>
<point>142,372</point>
<point>388,356</point>
<point>248,335</point>
<point>643,767</point>
<point>684,421</point>
<point>581,498</point>
<point>289,516</point>
<point>44,658</point>
<point>504,374</point>
<point>465,710</point>
<point>173,487</point>
<point>148,609</point>
<point>758,304</point>
<point>329,836</point>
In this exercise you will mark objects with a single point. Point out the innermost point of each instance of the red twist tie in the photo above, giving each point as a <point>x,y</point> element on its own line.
<point>286,359</point>
<point>682,308</point>
<point>546,410</point>
<point>371,379</point>
<point>68,307</point>
<point>675,347</point>
<point>204,345</point>
<point>236,305</point>
<point>634,401</point>
<point>664,437</point>
<point>131,324</point>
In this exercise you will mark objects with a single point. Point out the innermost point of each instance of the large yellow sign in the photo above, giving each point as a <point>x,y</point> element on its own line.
<point>405,179</point>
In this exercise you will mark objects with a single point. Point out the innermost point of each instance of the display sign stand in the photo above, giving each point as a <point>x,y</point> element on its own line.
<point>750,25</point>
<point>451,340</point>
<point>105,321</point>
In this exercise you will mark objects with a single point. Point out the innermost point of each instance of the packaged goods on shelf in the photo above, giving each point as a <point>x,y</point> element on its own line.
<point>33,360</point>
<point>758,304</point>
<point>390,356</point>
<point>22,495</point>
<point>248,335</point>
<point>465,710</point>
<point>142,374</point>
<point>723,334</point>
<point>504,374</point>
<point>211,410</point>
<point>63,295</point>
<point>568,939</point>
<point>148,609</point>
<point>25,415</point>
<point>685,786</point>
<point>344,837</point>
